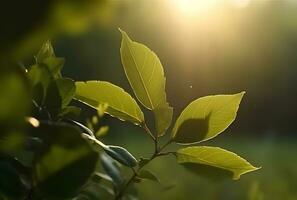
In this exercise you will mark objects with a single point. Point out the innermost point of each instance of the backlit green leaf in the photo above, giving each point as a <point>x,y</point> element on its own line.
<point>46,56</point>
<point>163,117</point>
<point>120,103</point>
<point>146,77</point>
<point>206,117</point>
<point>215,157</point>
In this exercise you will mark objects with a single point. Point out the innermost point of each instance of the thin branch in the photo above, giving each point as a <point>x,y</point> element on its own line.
<point>148,131</point>
<point>158,152</point>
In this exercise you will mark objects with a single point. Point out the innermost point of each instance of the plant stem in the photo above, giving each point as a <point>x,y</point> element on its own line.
<point>153,136</point>
<point>158,152</point>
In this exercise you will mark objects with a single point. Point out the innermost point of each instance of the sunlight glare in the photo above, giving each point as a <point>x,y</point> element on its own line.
<point>240,3</point>
<point>194,7</point>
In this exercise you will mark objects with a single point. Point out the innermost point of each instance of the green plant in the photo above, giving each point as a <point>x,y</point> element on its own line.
<point>56,157</point>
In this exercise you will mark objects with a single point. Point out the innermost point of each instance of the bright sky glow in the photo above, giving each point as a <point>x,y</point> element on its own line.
<point>240,3</point>
<point>194,7</point>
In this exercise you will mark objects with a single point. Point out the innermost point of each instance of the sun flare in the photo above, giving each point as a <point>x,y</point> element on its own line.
<point>194,7</point>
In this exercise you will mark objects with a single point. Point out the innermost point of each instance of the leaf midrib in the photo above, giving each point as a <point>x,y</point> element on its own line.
<point>217,165</point>
<point>139,74</point>
<point>113,107</point>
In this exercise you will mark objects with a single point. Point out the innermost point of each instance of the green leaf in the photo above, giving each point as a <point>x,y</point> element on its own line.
<point>55,65</point>
<point>146,77</point>
<point>98,176</point>
<point>112,170</point>
<point>71,112</point>
<point>84,129</point>
<point>95,191</point>
<point>205,118</point>
<point>46,56</point>
<point>148,175</point>
<point>53,100</point>
<point>66,88</point>
<point>40,79</point>
<point>64,164</point>
<point>120,103</point>
<point>102,131</point>
<point>163,118</point>
<point>45,51</point>
<point>118,153</point>
<point>215,157</point>
<point>121,154</point>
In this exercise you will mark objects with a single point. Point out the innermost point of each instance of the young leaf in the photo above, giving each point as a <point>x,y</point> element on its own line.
<point>55,65</point>
<point>215,157</point>
<point>205,118</point>
<point>146,77</point>
<point>66,88</point>
<point>102,131</point>
<point>120,103</point>
<point>148,175</point>
<point>45,51</point>
<point>120,154</point>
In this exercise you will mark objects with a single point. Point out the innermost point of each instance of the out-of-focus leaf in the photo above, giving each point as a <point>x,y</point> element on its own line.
<point>102,176</point>
<point>15,181</point>
<point>66,88</point>
<point>120,103</point>
<point>206,117</point>
<point>40,78</point>
<point>143,161</point>
<point>95,120</point>
<point>55,65</point>
<point>148,175</point>
<point>214,157</point>
<point>169,186</point>
<point>102,131</point>
<point>46,51</point>
<point>64,164</point>
<point>102,109</point>
<point>131,193</point>
<point>71,112</point>
<point>94,191</point>
<point>15,101</point>
<point>146,76</point>
<point>112,170</point>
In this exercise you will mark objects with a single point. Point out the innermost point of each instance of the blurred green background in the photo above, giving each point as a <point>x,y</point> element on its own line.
<point>206,47</point>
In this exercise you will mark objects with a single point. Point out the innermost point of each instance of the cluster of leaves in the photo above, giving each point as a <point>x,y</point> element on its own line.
<point>60,158</point>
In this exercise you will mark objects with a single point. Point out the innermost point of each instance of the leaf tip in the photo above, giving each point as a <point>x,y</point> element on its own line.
<point>241,94</point>
<point>238,175</point>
